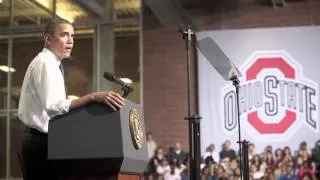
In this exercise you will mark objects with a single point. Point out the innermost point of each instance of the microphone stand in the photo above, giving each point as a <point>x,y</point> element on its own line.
<point>126,89</point>
<point>194,121</point>
<point>243,145</point>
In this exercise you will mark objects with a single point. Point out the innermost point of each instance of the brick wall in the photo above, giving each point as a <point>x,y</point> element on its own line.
<point>165,86</point>
<point>165,77</point>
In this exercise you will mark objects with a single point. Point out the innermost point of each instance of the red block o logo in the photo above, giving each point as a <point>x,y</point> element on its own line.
<point>290,116</point>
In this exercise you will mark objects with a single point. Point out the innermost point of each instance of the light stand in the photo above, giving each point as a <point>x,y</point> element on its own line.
<point>194,121</point>
<point>245,160</point>
<point>243,145</point>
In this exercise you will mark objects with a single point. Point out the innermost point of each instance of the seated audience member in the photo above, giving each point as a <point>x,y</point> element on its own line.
<point>278,155</point>
<point>220,172</point>
<point>227,152</point>
<point>269,174</point>
<point>288,173</point>
<point>305,169</point>
<point>257,161</point>
<point>303,146</point>
<point>251,151</point>
<point>163,168</point>
<point>307,176</point>
<point>211,152</point>
<point>266,149</point>
<point>173,174</point>
<point>282,166</point>
<point>286,155</point>
<point>233,165</point>
<point>180,168</point>
<point>151,145</point>
<point>205,173</point>
<point>304,155</point>
<point>156,160</point>
<point>178,153</point>
<point>237,172</point>
<point>269,160</point>
<point>210,166</point>
<point>255,173</point>
<point>315,156</point>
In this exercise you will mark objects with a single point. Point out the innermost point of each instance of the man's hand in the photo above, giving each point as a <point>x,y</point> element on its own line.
<point>112,99</point>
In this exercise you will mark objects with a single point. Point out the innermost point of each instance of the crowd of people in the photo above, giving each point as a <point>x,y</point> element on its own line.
<point>280,163</point>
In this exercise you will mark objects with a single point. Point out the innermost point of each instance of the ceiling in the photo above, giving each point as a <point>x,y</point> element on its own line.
<point>37,12</point>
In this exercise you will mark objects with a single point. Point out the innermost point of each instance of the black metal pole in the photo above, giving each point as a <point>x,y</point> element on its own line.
<point>236,82</point>
<point>243,145</point>
<point>187,36</point>
<point>193,121</point>
<point>196,147</point>
<point>245,160</point>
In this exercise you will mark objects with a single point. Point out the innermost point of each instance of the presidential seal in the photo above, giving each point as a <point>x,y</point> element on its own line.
<point>136,128</point>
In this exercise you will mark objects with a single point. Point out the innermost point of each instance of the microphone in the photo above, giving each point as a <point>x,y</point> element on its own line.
<point>113,78</point>
<point>125,87</point>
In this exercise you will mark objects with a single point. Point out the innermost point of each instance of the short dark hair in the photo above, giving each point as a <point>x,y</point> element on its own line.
<point>52,25</point>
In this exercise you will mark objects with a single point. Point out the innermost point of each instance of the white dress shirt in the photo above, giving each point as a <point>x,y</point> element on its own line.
<point>43,94</point>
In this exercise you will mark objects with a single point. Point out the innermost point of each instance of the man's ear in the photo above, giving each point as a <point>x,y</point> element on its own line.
<point>46,38</point>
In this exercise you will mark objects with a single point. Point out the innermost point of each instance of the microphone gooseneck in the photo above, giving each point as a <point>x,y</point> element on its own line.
<point>125,87</point>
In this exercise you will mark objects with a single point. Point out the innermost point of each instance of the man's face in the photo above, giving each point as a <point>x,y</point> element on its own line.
<point>61,43</point>
<point>149,137</point>
<point>211,147</point>
<point>228,144</point>
<point>178,146</point>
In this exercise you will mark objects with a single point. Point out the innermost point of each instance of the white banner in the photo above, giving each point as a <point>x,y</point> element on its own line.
<point>279,93</point>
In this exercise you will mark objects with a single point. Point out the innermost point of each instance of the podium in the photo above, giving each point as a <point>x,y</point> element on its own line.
<point>96,142</point>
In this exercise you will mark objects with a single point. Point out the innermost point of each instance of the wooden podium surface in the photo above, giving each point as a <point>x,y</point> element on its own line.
<point>94,142</point>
